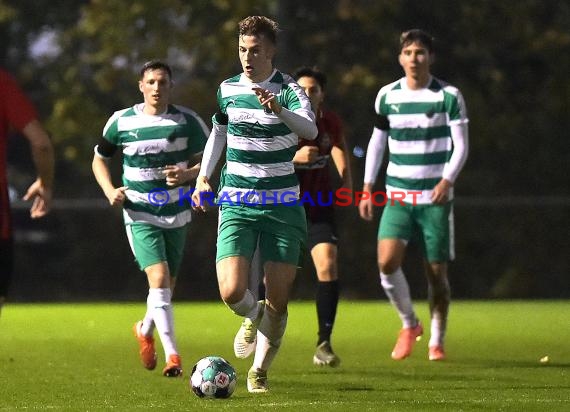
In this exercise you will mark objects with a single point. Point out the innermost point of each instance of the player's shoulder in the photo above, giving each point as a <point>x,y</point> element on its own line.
<point>233,79</point>
<point>129,111</point>
<point>190,115</point>
<point>183,109</point>
<point>395,85</point>
<point>113,123</point>
<point>281,77</point>
<point>439,84</point>
<point>287,82</point>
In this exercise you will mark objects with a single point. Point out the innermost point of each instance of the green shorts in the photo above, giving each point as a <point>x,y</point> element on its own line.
<point>433,224</point>
<point>151,244</point>
<point>280,231</point>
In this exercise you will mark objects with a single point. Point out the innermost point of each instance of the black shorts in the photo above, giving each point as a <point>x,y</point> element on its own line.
<point>323,231</point>
<point>6,264</point>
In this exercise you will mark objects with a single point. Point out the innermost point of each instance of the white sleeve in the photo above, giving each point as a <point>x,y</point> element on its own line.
<point>460,138</point>
<point>375,155</point>
<point>301,122</point>
<point>213,150</point>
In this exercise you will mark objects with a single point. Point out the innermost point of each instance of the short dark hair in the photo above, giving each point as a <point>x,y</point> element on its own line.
<point>257,25</point>
<point>417,35</point>
<point>313,72</point>
<point>155,65</point>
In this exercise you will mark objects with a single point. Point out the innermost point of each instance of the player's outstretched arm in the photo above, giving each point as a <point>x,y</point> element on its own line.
<point>115,196</point>
<point>40,192</point>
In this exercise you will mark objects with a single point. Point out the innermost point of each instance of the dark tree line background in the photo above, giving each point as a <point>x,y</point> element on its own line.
<point>78,60</point>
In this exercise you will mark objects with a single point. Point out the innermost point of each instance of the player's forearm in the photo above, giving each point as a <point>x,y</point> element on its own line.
<point>43,158</point>
<point>342,164</point>
<point>192,172</point>
<point>301,123</point>
<point>42,152</point>
<point>213,150</point>
<point>374,155</point>
<point>460,138</point>
<point>102,174</point>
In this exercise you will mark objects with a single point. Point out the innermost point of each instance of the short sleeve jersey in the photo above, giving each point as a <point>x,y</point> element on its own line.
<point>16,111</point>
<point>419,137</point>
<point>315,178</point>
<point>149,143</point>
<point>260,147</point>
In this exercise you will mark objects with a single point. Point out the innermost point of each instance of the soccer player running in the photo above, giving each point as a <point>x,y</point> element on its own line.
<point>424,120</point>
<point>161,145</point>
<point>312,167</point>
<point>18,112</point>
<point>261,113</point>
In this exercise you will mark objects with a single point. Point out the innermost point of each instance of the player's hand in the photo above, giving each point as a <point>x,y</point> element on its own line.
<point>41,199</point>
<point>267,99</point>
<point>176,175</point>
<point>440,194</point>
<point>366,209</point>
<point>306,155</point>
<point>117,196</point>
<point>202,195</point>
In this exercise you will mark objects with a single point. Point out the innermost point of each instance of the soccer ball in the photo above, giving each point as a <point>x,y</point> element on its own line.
<point>213,377</point>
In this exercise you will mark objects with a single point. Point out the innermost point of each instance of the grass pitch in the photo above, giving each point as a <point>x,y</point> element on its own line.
<point>83,357</point>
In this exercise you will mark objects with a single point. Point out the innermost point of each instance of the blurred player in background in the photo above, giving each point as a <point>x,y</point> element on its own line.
<point>261,113</point>
<point>162,145</point>
<point>312,164</point>
<point>18,113</point>
<point>424,121</point>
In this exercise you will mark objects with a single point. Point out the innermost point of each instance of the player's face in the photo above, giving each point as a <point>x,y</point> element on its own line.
<point>416,59</point>
<point>155,87</point>
<point>313,91</point>
<point>256,57</point>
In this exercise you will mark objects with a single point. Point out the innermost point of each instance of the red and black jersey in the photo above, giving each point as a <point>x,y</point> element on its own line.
<point>16,111</point>
<point>314,178</point>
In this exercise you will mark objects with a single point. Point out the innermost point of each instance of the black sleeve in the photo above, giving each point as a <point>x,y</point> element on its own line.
<point>221,118</point>
<point>382,122</point>
<point>106,148</point>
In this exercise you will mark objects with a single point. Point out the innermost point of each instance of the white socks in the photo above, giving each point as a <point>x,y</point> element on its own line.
<point>247,307</point>
<point>269,335</point>
<point>398,291</point>
<point>147,328</point>
<point>439,296</point>
<point>437,331</point>
<point>160,308</point>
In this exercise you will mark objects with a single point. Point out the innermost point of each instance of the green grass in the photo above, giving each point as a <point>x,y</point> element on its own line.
<point>82,357</point>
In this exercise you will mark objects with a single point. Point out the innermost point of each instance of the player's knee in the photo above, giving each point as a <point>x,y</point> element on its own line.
<point>230,296</point>
<point>388,266</point>
<point>327,273</point>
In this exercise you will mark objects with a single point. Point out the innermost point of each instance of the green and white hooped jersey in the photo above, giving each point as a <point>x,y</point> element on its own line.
<point>149,143</point>
<point>260,147</point>
<point>419,138</point>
